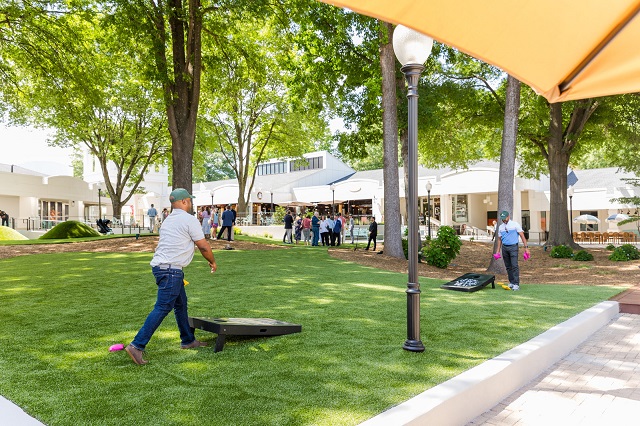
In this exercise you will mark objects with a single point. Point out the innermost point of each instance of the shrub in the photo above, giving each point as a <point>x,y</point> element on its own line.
<point>443,249</point>
<point>561,251</point>
<point>8,234</point>
<point>624,253</point>
<point>70,229</point>
<point>631,251</point>
<point>611,247</point>
<point>237,231</point>
<point>278,215</point>
<point>583,255</point>
<point>405,248</point>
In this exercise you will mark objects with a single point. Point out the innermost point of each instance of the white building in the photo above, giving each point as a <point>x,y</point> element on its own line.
<point>155,190</point>
<point>458,197</point>
<point>36,201</point>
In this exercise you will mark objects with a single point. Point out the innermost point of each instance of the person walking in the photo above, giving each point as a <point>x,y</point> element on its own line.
<point>227,224</point>
<point>373,233</point>
<point>352,226</point>
<point>152,213</point>
<point>306,230</point>
<point>175,251</point>
<point>508,234</point>
<point>206,222</point>
<point>215,221</point>
<point>5,218</point>
<point>288,227</point>
<point>330,224</point>
<point>298,230</point>
<point>315,228</point>
<point>337,231</point>
<point>324,231</point>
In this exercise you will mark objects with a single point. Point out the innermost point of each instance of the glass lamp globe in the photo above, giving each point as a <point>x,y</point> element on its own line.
<point>410,46</point>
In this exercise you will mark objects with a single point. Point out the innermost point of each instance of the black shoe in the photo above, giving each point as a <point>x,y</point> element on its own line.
<point>367,248</point>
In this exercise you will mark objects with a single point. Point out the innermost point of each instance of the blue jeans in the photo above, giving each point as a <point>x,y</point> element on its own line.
<point>171,295</point>
<point>510,256</point>
<point>316,236</point>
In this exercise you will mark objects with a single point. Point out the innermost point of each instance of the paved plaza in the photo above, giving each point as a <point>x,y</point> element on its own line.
<point>596,384</point>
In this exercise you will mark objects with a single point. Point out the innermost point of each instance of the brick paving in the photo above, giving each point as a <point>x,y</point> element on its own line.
<point>598,383</point>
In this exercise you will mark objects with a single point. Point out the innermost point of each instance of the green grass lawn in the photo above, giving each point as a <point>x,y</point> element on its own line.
<point>61,312</point>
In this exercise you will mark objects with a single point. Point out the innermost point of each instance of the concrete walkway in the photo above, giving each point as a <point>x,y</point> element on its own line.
<point>598,383</point>
<point>11,414</point>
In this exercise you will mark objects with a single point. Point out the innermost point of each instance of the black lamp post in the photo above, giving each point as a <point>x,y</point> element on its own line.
<point>99,203</point>
<point>212,192</point>
<point>272,211</point>
<point>412,49</point>
<point>570,194</point>
<point>429,186</point>
<point>333,199</point>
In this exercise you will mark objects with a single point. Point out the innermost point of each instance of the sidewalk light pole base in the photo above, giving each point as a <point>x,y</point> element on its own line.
<point>413,345</point>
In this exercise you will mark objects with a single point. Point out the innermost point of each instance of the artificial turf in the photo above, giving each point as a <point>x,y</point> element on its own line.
<point>61,312</point>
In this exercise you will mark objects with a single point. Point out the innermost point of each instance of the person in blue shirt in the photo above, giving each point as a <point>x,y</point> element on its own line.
<point>337,230</point>
<point>315,228</point>
<point>508,234</point>
<point>227,223</point>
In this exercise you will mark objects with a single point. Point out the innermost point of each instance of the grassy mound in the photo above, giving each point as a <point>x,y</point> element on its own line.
<point>7,234</point>
<point>70,229</point>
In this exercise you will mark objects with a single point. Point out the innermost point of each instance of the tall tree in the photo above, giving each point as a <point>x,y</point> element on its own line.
<point>252,114</point>
<point>507,159</point>
<point>392,246</point>
<point>172,30</point>
<point>99,102</point>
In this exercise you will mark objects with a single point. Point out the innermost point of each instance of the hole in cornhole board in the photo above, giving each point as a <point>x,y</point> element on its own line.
<point>470,282</point>
<point>242,327</point>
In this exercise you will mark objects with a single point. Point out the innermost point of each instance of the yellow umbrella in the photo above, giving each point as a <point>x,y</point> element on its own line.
<point>564,50</point>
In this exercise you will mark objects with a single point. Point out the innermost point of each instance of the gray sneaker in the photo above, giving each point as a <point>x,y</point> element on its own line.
<point>515,287</point>
<point>511,286</point>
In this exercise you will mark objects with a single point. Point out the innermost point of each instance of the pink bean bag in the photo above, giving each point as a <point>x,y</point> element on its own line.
<point>116,347</point>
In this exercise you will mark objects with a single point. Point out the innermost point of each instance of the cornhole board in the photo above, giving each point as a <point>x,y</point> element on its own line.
<point>470,282</point>
<point>242,327</point>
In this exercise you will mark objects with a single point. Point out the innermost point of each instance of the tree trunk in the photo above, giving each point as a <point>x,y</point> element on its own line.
<point>392,228</point>
<point>507,162</point>
<point>558,161</point>
<point>182,89</point>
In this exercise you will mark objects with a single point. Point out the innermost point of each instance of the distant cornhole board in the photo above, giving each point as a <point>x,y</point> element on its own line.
<point>242,327</point>
<point>470,282</point>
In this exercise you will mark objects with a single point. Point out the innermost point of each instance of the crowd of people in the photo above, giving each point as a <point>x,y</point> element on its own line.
<point>327,230</point>
<point>307,228</point>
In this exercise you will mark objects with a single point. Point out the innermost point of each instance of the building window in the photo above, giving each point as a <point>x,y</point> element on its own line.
<point>306,164</point>
<point>271,168</point>
<point>460,211</point>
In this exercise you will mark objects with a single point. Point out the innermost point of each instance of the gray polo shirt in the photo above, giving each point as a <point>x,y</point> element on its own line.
<point>177,234</point>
